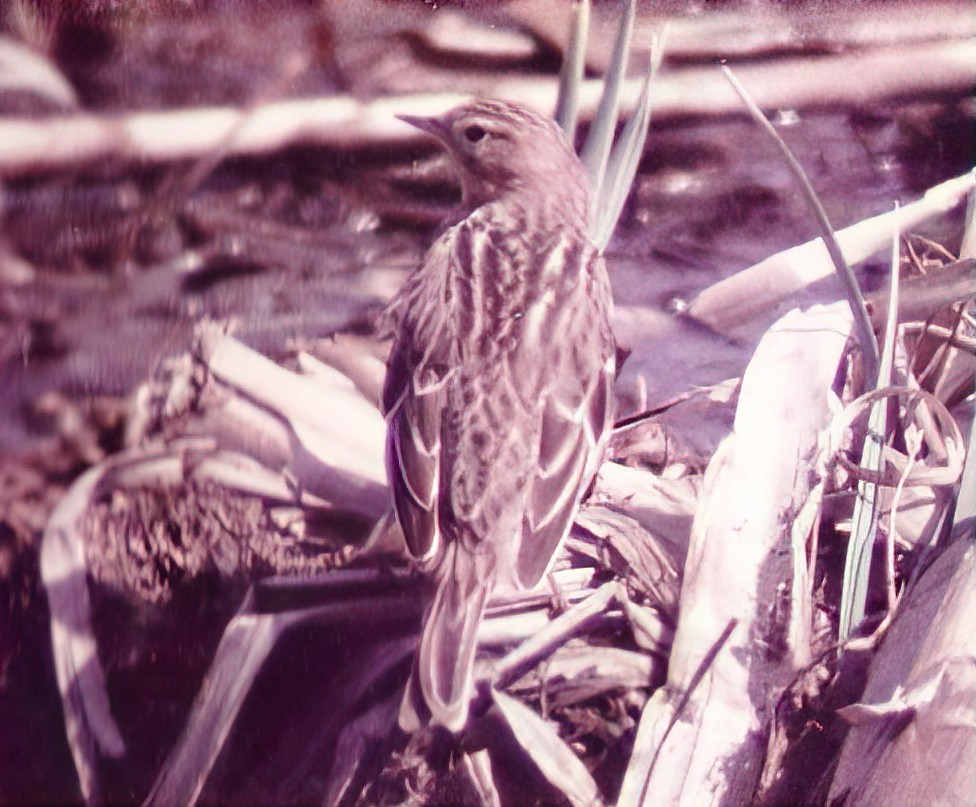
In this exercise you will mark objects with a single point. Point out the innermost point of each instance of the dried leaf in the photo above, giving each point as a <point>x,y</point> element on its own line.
<point>554,759</point>
<point>246,643</point>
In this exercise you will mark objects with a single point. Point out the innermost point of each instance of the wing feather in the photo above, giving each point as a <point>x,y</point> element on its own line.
<point>414,394</point>
<point>570,449</point>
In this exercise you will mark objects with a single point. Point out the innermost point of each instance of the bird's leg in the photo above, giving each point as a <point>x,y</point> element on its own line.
<point>559,604</point>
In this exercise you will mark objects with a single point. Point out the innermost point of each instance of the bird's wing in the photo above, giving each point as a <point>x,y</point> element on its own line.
<point>575,422</point>
<point>413,399</point>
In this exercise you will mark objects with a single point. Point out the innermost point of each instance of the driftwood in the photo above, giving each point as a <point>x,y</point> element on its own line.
<point>747,567</point>
<point>913,732</point>
<point>28,146</point>
<point>743,303</point>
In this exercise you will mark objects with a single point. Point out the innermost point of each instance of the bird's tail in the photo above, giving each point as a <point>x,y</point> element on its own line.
<point>440,688</point>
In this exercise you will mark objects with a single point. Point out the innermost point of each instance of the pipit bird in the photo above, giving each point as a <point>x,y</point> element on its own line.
<point>498,387</point>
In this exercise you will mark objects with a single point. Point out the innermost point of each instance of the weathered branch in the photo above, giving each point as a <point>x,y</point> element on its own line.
<point>858,77</point>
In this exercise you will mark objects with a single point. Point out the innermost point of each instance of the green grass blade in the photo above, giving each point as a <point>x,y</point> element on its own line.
<point>862,322</point>
<point>626,156</point>
<point>968,247</point>
<point>571,75</point>
<point>864,524</point>
<point>598,142</point>
<point>891,325</point>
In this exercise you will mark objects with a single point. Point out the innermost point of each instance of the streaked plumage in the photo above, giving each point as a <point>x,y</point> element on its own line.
<point>498,390</point>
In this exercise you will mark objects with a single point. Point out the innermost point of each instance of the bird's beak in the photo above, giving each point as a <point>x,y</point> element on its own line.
<point>433,126</point>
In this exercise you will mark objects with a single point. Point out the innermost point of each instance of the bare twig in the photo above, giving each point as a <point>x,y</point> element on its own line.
<point>553,635</point>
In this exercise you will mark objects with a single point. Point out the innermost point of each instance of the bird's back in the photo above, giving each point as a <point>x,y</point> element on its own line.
<point>509,361</point>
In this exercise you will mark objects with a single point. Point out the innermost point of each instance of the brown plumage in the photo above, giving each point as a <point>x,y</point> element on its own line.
<point>498,390</point>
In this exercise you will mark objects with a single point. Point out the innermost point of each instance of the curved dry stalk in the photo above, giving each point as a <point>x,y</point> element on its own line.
<point>23,69</point>
<point>948,433</point>
<point>91,729</point>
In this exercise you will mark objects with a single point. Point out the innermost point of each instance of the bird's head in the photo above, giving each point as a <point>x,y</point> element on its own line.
<point>500,147</point>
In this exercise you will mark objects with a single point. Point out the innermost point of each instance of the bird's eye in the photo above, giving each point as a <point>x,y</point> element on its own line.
<point>474,133</point>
